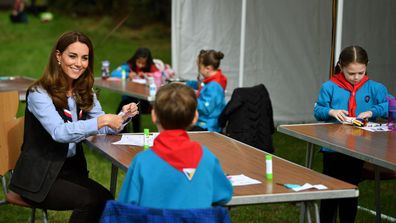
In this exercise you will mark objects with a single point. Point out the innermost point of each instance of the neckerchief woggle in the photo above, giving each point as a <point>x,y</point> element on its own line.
<point>176,148</point>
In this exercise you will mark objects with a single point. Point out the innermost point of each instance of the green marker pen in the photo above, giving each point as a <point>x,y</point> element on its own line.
<point>146,139</point>
<point>268,166</point>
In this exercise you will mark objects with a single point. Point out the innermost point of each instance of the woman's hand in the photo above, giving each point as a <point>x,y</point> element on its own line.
<point>129,110</point>
<point>340,115</point>
<point>110,120</point>
<point>366,114</point>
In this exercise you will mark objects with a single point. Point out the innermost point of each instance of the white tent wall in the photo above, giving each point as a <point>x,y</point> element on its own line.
<point>287,46</point>
<point>372,25</point>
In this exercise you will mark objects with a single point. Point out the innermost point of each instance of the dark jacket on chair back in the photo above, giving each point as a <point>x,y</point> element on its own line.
<point>42,159</point>
<point>248,117</point>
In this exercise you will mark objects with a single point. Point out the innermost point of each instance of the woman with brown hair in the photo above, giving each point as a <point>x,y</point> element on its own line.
<point>61,111</point>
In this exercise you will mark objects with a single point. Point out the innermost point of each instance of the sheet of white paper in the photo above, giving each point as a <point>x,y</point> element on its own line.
<point>381,128</point>
<point>307,186</point>
<point>139,80</point>
<point>136,140</point>
<point>241,180</point>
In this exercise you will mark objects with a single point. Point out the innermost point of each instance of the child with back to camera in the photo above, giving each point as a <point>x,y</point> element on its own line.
<point>211,91</point>
<point>176,173</point>
<point>348,93</point>
<point>139,66</point>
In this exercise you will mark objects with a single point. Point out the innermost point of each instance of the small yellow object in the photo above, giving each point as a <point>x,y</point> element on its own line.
<point>358,123</point>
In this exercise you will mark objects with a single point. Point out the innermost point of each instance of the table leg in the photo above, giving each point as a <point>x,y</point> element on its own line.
<point>303,212</point>
<point>317,214</point>
<point>377,194</point>
<point>113,179</point>
<point>309,155</point>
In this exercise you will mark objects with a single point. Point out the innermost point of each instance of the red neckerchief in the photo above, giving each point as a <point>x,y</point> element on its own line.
<point>340,80</point>
<point>217,77</point>
<point>176,148</point>
<point>153,69</point>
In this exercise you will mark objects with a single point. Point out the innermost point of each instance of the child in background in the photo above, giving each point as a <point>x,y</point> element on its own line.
<point>211,91</point>
<point>348,93</point>
<point>139,66</point>
<point>176,173</point>
<point>18,14</point>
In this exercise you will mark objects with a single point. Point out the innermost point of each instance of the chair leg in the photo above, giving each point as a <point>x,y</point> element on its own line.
<point>33,216</point>
<point>45,216</point>
<point>4,186</point>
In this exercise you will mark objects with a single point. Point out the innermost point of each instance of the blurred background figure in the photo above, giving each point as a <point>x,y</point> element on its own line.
<point>18,14</point>
<point>139,66</point>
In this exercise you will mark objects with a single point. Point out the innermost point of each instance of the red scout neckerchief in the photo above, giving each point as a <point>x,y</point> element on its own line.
<point>217,77</point>
<point>176,148</point>
<point>340,80</point>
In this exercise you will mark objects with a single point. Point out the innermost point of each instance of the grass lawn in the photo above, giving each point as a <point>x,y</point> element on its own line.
<point>24,50</point>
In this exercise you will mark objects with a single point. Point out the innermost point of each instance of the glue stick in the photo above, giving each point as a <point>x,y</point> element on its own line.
<point>268,166</point>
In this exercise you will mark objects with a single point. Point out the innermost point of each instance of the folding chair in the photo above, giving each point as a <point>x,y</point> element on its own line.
<point>127,213</point>
<point>11,137</point>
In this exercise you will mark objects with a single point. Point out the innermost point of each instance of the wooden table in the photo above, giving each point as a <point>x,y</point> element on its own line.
<point>19,83</point>
<point>378,148</point>
<point>126,87</point>
<point>238,158</point>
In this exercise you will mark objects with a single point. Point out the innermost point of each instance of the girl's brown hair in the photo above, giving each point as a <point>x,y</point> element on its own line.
<point>210,58</point>
<point>351,54</point>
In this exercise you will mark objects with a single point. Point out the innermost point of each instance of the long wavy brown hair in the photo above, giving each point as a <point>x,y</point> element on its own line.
<point>54,80</point>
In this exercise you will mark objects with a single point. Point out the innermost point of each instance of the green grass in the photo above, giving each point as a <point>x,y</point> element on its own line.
<point>24,50</point>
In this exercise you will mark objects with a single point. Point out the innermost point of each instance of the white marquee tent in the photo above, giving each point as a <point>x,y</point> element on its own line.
<point>287,44</point>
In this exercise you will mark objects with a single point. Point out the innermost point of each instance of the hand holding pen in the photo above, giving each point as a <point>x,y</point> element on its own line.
<point>129,110</point>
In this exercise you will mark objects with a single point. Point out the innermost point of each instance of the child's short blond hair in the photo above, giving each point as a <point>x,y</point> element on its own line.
<point>175,106</point>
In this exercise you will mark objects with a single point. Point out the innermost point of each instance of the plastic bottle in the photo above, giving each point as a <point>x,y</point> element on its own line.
<point>152,89</point>
<point>392,114</point>
<point>158,78</point>
<point>268,167</point>
<point>105,69</point>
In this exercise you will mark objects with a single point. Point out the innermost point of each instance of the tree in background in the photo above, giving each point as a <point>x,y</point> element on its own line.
<point>140,12</point>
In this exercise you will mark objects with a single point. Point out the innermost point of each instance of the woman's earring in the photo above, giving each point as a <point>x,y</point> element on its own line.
<point>59,62</point>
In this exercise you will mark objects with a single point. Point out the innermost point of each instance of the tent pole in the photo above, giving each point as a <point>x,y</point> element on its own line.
<point>333,36</point>
<point>340,12</point>
<point>242,46</point>
<point>175,36</point>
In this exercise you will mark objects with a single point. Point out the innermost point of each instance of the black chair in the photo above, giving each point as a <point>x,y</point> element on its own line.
<point>248,117</point>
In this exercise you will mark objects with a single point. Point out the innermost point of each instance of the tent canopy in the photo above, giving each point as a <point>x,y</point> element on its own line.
<point>287,45</point>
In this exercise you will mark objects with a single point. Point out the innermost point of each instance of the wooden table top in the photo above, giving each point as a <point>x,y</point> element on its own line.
<point>19,83</point>
<point>238,158</point>
<point>375,147</point>
<point>126,87</point>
